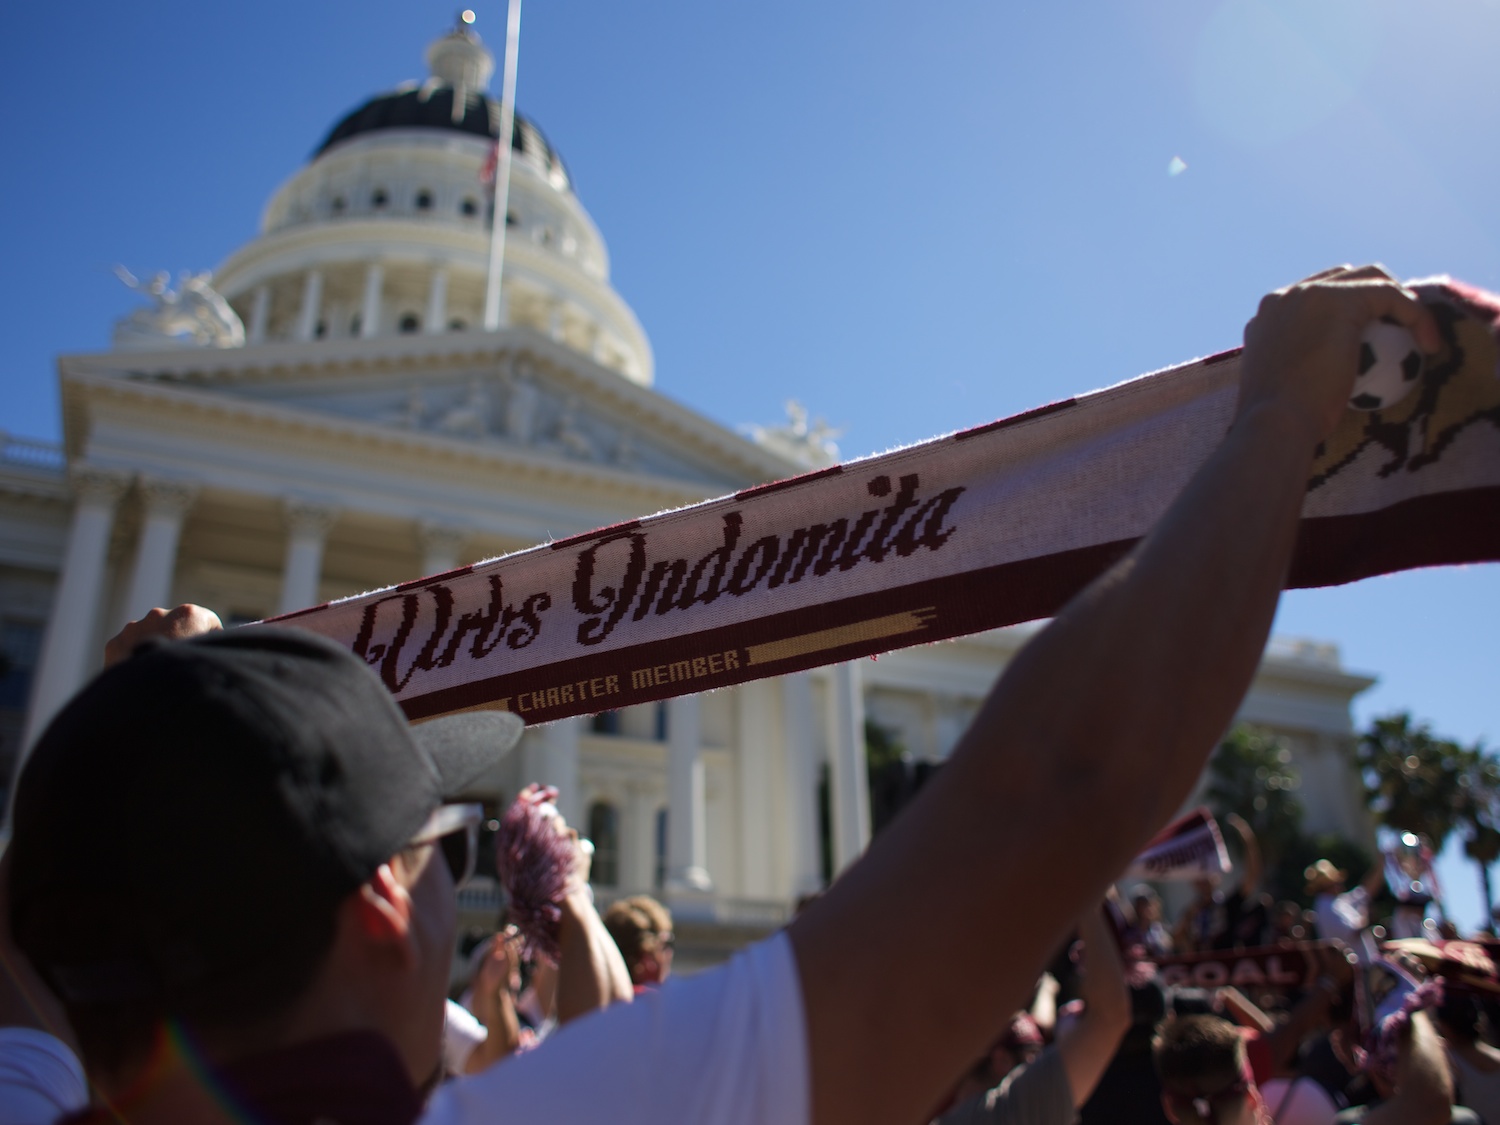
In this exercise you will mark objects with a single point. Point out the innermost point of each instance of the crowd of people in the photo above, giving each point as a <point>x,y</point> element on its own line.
<point>229,888</point>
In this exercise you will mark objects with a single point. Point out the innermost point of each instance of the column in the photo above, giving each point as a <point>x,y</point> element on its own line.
<point>369,313</point>
<point>687,832</point>
<point>68,648</point>
<point>754,744</point>
<point>437,302</point>
<point>638,838</point>
<point>799,720</point>
<point>312,305</point>
<point>260,313</point>
<point>441,544</point>
<point>849,787</point>
<point>308,523</point>
<point>166,502</point>
<point>560,742</point>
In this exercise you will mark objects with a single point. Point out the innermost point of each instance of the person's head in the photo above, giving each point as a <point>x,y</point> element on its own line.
<point>1323,878</point>
<point>1458,1017</point>
<point>1205,1079</point>
<point>1147,904</point>
<point>1186,1000</point>
<point>1286,920</point>
<point>642,928</point>
<point>236,842</point>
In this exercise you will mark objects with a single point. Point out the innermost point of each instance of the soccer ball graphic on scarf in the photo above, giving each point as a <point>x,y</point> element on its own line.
<point>1389,366</point>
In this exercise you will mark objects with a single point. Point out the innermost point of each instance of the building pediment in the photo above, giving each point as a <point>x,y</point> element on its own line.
<point>512,392</point>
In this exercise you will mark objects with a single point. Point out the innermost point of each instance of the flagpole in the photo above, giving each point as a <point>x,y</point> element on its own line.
<point>502,170</point>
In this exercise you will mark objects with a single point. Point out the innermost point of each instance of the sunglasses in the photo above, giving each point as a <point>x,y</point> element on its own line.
<point>455,831</point>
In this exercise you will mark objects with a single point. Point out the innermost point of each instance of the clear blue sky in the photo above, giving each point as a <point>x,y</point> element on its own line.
<point>910,217</point>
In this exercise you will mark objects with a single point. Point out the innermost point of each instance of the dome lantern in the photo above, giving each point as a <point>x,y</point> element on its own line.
<point>460,60</point>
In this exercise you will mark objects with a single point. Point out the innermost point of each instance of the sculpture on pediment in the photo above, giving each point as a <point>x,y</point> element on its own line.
<point>520,410</point>
<point>413,412</point>
<point>624,453</point>
<point>471,416</point>
<point>573,441</point>
<point>194,314</point>
<point>807,443</point>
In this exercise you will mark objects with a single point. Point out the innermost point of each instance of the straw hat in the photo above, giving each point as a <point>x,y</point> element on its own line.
<point>1322,876</point>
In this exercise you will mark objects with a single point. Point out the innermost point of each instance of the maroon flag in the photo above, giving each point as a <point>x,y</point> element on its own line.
<point>1280,969</point>
<point>1189,848</point>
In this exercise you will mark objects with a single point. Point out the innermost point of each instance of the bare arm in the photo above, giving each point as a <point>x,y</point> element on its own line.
<point>1088,1044</point>
<point>494,1005</point>
<point>1244,1011</point>
<point>1311,1012</point>
<point>1044,1004</point>
<point>1090,741</point>
<point>591,973</point>
<point>1254,864</point>
<point>1424,1088</point>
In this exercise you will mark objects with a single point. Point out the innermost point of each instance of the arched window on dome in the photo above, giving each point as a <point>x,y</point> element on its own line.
<point>338,205</point>
<point>604,831</point>
<point>424,200</point>
<point>409,323</point>
<point>379,199</point>
<point>469,207</point>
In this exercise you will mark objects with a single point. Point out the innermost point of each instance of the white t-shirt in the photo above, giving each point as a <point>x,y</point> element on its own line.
<point>1341,917</point>
<point>725,1047</point>
<point>1300,1101</point>
<point>40,1079</point>
<point>462,1032</point>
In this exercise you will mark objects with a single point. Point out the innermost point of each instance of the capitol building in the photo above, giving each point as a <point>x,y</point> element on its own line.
<point>327,414</point>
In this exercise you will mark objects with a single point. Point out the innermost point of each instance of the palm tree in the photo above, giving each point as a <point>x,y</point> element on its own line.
<point>1479,816</point>
<point>1412,777</point>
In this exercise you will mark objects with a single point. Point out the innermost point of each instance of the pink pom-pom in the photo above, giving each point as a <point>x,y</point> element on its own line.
<point>536,864</point>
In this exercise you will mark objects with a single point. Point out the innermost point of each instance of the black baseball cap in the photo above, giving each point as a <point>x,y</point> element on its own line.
<point>199,798</point>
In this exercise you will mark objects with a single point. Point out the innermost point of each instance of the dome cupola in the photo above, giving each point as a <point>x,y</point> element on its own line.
<point>387,228</point>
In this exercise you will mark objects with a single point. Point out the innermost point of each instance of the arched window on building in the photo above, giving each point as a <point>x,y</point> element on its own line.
<point>659,877</point>
<point>604,831</point>
<point>469,207</point>
<point>424,200</point>
<point>338,205</point>
<point>457,325</point>
<point>320,329</point>
<point>511,220</point>
<point>409,323</point>
<point>355,324</point>
<point>379,198</point>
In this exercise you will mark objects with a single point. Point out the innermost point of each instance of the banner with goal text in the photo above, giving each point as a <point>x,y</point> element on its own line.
<point>991,526</point>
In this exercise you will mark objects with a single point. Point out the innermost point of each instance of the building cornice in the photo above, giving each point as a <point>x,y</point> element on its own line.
<point>83,394</point>
<point>288,362</point>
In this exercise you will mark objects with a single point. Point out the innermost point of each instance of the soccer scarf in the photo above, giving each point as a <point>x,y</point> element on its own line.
<point>987,527</point>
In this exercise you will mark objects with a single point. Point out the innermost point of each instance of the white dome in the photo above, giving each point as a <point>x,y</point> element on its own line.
<point>387,229</point>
